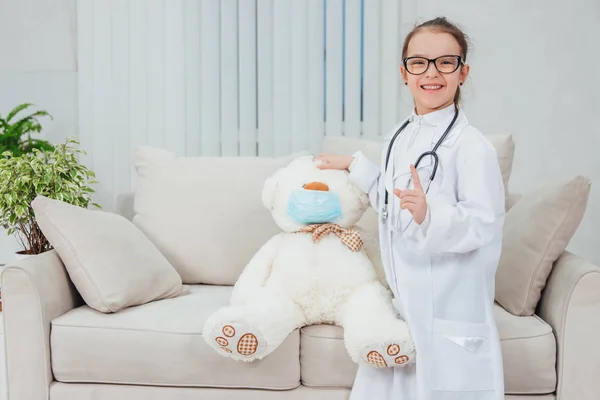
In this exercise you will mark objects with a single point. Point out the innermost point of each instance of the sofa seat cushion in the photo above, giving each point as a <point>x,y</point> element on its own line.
<point>529,352</point>
<point>160,343</point>
<point>528,348</point>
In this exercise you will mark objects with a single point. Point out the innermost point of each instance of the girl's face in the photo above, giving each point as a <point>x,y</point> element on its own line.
<point>433,90</point>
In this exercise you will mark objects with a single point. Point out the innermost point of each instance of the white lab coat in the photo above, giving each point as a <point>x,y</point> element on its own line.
<point>442,272</point>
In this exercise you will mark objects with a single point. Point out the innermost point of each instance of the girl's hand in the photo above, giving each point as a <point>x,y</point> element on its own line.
<point>332,161</point>
<point>413,200</point>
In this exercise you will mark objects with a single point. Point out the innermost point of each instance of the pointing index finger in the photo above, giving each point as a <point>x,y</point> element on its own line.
<point>416,178</point>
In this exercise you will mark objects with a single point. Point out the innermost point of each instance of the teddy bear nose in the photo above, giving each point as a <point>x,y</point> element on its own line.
<point>316,186</point>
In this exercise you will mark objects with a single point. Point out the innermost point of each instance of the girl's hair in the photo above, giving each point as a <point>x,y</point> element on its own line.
<point>441,25</point>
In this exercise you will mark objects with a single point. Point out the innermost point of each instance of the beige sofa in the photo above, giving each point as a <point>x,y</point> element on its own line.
<point>59,348</point>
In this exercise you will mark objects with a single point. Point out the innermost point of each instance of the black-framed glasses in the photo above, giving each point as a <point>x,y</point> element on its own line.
<point>444,64</point>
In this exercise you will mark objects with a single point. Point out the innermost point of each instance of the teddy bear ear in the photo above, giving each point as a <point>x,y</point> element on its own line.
<point>270,188</point>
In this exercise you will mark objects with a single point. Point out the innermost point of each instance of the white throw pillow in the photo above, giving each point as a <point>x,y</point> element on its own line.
<point>537,230</point>
<point>205,214</point>
<point>110,261</point>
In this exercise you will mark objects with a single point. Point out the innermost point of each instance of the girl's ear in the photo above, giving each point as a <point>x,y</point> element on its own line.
<point>464,72</point>
<point>270,188</point>
<point>403,73</point>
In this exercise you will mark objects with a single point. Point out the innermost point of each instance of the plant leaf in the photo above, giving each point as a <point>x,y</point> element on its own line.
<point>17,110</point>
<point>56,174</point>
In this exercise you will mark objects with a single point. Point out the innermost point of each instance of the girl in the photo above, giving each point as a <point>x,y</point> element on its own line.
<point>440,230</point>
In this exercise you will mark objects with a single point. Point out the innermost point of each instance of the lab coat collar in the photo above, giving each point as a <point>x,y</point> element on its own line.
<point>440,119</point>
<point>434,118</point>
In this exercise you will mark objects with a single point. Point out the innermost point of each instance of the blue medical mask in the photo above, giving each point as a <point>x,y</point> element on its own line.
<point>314,206</point>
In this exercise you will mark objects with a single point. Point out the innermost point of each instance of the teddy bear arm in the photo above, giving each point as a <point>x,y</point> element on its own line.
<point>256,272</point>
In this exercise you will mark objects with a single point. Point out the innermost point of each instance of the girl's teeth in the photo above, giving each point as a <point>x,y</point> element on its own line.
<point>431,87</point>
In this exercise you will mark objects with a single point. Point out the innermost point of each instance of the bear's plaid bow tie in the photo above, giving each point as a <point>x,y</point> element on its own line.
<point>349,237</point>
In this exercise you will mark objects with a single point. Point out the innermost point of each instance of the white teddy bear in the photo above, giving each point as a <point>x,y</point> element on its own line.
<point>316,271</point>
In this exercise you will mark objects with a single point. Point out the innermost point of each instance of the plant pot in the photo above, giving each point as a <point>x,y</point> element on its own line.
<point>20,255</point>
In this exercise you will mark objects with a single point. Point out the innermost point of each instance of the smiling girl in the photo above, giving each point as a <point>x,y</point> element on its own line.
<point>440,235</point>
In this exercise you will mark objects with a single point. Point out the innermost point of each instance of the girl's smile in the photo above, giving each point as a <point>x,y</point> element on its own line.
<point>432,89</point>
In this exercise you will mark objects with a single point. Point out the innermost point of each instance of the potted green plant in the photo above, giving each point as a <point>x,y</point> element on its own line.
<point>56,174</point>
<point>15,131</point>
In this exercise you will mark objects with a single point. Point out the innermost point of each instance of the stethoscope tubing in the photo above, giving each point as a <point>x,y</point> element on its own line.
<point>432,153</point>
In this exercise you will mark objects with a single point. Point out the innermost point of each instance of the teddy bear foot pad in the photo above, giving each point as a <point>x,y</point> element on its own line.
<point>382,356</point>
<point>239,340</point>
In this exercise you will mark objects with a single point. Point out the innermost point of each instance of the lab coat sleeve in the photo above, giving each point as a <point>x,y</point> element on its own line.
<point>476,217</point>
<point>365,175</point>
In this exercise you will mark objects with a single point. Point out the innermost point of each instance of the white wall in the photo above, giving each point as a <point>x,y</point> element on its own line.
<point>38,65</point>
<point>535,74</point>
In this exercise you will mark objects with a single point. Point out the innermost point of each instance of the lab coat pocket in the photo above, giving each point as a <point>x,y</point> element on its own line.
<point>462,356</point>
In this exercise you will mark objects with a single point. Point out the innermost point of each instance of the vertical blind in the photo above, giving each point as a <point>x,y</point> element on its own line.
<point>231,77</point>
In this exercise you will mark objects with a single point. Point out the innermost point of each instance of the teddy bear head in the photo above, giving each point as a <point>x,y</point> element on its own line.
<point>302,194</point>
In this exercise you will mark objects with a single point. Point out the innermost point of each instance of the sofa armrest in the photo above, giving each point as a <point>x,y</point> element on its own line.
<point>35,291</point>
<point>570,304</point>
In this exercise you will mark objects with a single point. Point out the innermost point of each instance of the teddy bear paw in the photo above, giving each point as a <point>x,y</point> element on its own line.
<point>390,355</point>
<point>239,340</point>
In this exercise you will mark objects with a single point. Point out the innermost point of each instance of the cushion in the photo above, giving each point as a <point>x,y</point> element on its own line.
<point>160,344</point>
<point>528,351</point>
<point>373,149</point>
<point>537,230</point>
<point>205,214</point>
<point>110,261</point>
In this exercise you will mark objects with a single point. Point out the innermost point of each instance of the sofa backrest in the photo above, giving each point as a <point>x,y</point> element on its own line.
<point>206,216</point>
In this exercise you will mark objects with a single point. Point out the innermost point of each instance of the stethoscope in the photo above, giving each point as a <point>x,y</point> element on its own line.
<point>384,212</point>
